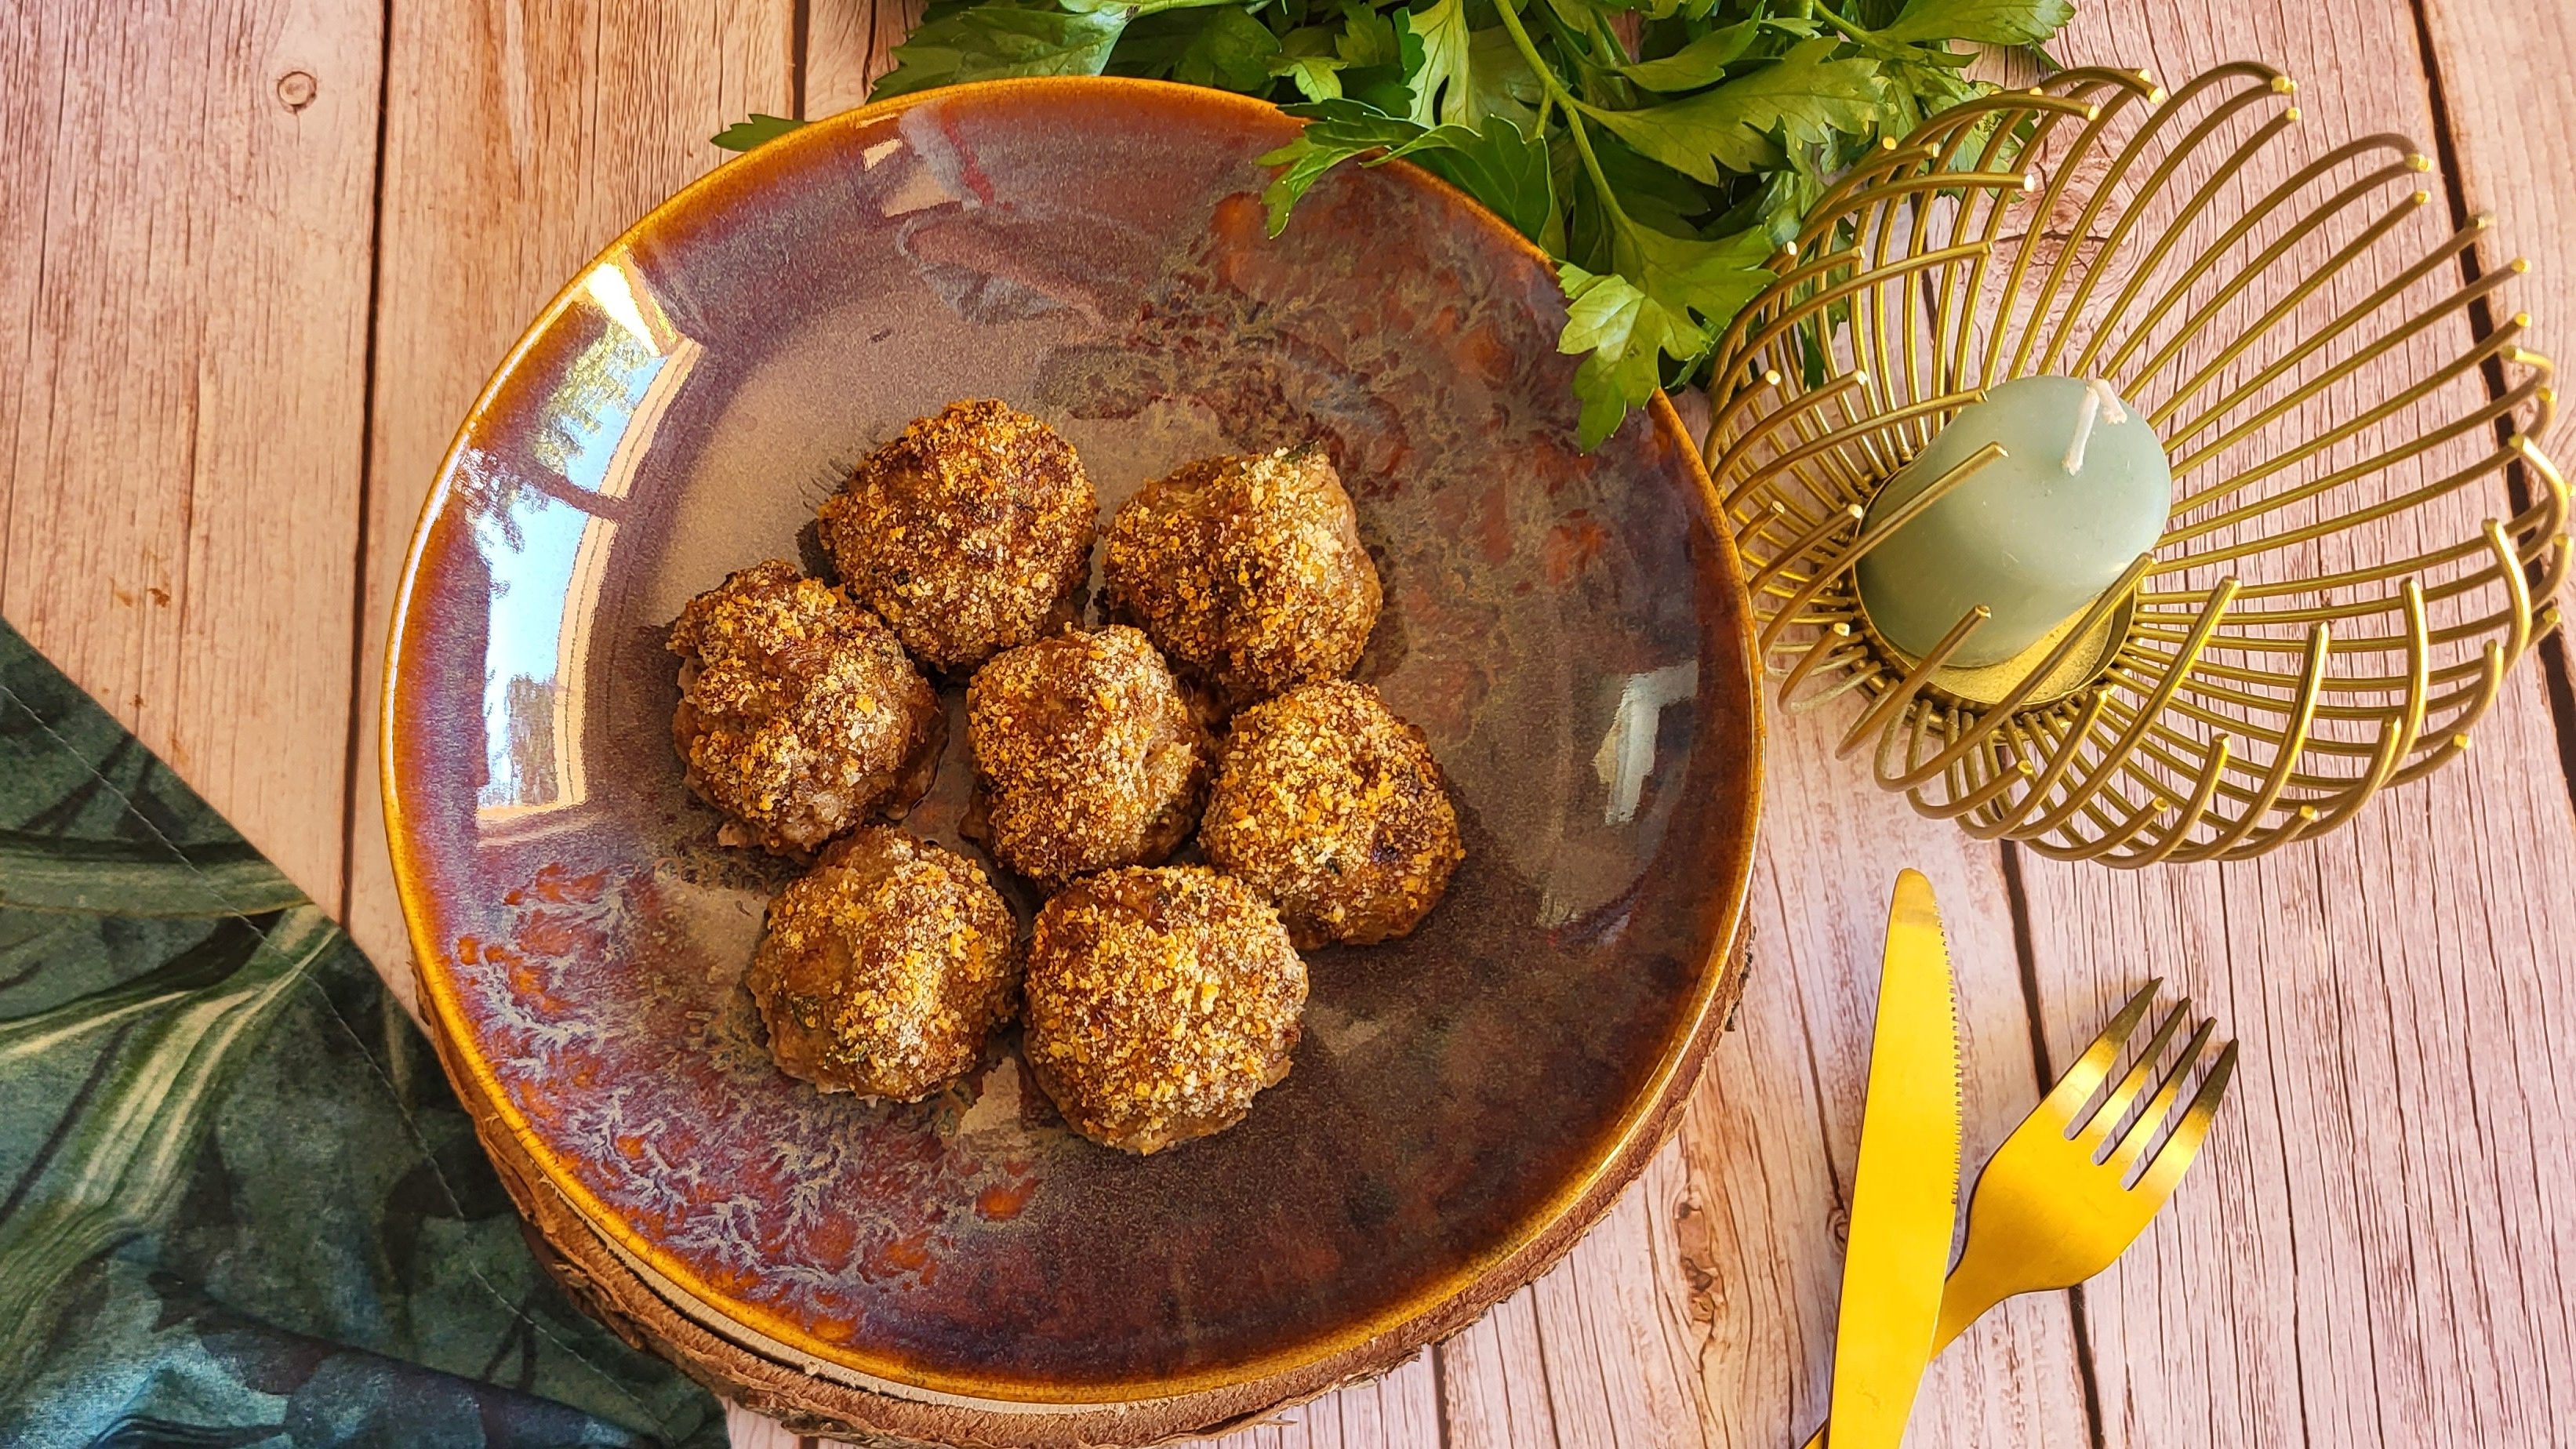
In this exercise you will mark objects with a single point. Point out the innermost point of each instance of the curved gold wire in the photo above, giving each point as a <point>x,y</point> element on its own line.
<point>2322,619</point>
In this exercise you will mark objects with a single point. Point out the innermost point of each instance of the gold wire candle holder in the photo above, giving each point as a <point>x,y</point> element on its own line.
<point>2365,534</point>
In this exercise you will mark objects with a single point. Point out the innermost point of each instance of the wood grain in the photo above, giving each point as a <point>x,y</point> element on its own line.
<point>519,140</point>
<point>2501,72</point>
<point>2499,76</point>
<point>848,44</point>
<point>2369,1254</point>
<point>196,482</point>
<point>184,231</point>
<point>1771,1138</point>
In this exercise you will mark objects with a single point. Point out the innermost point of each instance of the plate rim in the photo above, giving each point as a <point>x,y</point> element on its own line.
<point>1384,1336</point>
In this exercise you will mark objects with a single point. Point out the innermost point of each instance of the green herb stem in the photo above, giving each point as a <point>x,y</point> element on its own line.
<point>1553,89</point>
<point>1547,76</point>
<point>1849,30</point>
<point>1592,165</point>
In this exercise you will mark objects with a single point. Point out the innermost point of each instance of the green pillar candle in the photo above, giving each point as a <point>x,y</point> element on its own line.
<point>2083,488</point>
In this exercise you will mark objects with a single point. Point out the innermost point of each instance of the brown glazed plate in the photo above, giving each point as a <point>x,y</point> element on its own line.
<point>1568,628</point>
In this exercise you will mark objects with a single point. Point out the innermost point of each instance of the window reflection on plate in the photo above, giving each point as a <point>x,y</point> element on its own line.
<point>546,528</point>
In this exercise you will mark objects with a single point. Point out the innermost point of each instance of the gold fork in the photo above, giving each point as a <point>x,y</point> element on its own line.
<point>2046,1214</point>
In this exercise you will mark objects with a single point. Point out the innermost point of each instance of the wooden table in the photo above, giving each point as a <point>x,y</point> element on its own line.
<point>256,256</point>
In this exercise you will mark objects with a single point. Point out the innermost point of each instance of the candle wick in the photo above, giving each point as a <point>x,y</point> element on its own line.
<point>2099,402</point>
<point>2074,460</point>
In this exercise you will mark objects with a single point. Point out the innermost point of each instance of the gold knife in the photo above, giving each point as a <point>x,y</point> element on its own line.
<point>1905,1193</point>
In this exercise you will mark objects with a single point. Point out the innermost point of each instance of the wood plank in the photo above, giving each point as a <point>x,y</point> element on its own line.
<point>848,44</point>
<point>1752,1268</point>
<point>748,1430</point>
<point>1401,1408</point>
<point>517,144</point>
<point>2500,71</point>
<point>2369,1254</point>
<point>1493,1384</point>
<point>2502,74</point>
<point>184,231</point>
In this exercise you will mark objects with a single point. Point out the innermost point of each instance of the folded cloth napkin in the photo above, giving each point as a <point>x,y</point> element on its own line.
<point>238,1204</point>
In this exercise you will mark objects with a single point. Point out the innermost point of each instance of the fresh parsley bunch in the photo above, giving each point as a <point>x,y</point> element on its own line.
<point>1660,150</point>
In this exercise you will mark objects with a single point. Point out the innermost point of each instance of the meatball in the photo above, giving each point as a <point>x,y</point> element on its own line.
<point>1086,756</point>
<point>971,533</point>
<point>1247,572</point>
<point>1159,1003</point>
<point>1332,807</point>
<point>884,967</point>
<point>799,715</point>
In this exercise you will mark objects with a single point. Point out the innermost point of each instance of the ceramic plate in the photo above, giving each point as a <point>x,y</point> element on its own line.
<point>1566,627</point>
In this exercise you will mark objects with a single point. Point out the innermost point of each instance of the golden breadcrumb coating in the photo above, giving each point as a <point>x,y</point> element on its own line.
<point>970,533</point>
<point>883,968</point>
<point>1246,571</point>
<point>1086,756</point>
<point>1333,808</point>
<point>1159,1003</point>
<point>799,714</point>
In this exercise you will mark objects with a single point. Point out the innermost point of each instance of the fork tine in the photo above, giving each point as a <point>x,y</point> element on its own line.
<point>2088,1070</point>
<point>2133,1145</point>
<point>2175,1157</point>
<point>2097,1128</point>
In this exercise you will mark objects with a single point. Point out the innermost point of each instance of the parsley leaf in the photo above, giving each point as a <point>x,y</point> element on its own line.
<point>1628,334</point>
<point>1920,82</point>
<point>984,41</point>
<point>1505,85</point>
<point>1231,51</point>
<point>745,134</point>
<point>1335,131</point>
<point>1697,64</point>
<point>1496,164</point>
<point>1135,9</point>
<point>1994,22</point>
<point>1667,299</point>
<point>1442,88</point>
<point>1712,278</point>
<point>1307,58</point>
<point>1804,96</point>
<point>1381,55</point>
<point>1371,38</point>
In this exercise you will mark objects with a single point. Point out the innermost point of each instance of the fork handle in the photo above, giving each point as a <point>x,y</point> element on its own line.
<point>1958,1310</point>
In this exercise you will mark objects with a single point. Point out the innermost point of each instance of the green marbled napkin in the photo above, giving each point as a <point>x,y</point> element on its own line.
<point>238,1204</point>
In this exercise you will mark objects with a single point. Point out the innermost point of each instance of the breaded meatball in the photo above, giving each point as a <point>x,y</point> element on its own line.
<point>970,533</point>
<point>1247,572</point>
<point>1086,756</point>
<point>1332,807</point>
<point>799,715</point>
<point>1159,1003</point>
<point>883,968</point>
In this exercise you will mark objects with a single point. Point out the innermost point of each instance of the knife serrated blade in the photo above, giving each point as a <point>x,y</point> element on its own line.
<point>1905,1193</point>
